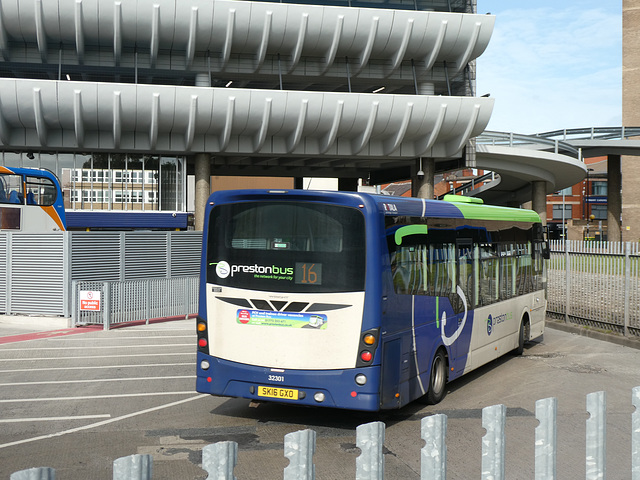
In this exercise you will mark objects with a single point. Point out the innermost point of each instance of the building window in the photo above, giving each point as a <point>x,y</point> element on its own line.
<point>599,212</point>
<point>151,197</point>
<point>152,177</point>
<point>108,182</point>
<point>598,188</point>
<point>565,191</point>
<point>557,212</point>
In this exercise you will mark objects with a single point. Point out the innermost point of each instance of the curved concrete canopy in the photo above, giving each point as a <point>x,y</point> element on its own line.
<point>51,115</point>
<point>520,167</point>
<point>305,36</point>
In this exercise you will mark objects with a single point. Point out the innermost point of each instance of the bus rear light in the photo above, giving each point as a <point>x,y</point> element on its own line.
<point>361,379</point>
<point>204,365</point>
<point>202,342</point>
<point>369,339</point>
<point>202,327</point>
<point>318,397</point>
<point>366,356</point>
<point>354,394</point>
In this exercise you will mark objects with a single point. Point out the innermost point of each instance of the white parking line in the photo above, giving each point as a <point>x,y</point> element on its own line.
<point>119,337</point>
<point>53,419</point>
<point>92,347</point>
<point>93,397</point>
<point>104,422</point>
<point>100,380</point>
<point>88,367</point>
<point>26,359</point>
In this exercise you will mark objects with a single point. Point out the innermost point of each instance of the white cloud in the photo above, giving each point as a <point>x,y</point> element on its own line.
<point>552,68</point>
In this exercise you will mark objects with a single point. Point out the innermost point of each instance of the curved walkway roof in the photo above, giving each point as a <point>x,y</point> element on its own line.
<point>552,157</point>
<point>521,160</point>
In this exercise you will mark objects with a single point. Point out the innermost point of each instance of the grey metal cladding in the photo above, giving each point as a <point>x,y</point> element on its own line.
<point>298,32</point>
<point>40,113</point>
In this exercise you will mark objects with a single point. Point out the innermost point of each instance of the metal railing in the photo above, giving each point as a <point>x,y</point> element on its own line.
<point>592,133</point>
<point>117,302</point>
<point>596,284</point>
<point>532,142</point>
<point>219,459</point>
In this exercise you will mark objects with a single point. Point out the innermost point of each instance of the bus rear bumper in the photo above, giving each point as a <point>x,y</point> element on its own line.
<point>321,388</point>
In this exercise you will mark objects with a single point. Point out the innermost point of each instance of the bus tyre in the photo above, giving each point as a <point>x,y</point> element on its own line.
<point>437,379</point>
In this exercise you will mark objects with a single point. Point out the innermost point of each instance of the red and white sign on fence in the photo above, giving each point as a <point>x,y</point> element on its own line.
<point>90,300</point>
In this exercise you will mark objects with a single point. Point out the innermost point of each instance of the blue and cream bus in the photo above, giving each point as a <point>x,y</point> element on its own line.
<point>30,201</point>
<point>359,301</point>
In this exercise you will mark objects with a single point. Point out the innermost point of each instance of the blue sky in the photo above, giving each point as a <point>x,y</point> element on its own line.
<point>553,64</point>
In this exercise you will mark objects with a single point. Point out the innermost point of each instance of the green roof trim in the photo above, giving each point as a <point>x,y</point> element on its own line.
<point>410,230</point>
<point>462,199</point>
<point>488,212</point>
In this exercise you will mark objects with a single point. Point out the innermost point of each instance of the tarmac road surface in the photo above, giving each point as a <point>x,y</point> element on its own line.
<point>78,402</point>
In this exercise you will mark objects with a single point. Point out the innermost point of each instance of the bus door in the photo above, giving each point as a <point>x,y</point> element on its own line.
<point>457,333</point>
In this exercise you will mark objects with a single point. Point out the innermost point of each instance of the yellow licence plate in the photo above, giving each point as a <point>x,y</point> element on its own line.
<point>276,392</point>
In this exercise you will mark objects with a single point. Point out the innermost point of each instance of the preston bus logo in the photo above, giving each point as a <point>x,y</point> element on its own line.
<point>223,269</point>
<point>489,325</point>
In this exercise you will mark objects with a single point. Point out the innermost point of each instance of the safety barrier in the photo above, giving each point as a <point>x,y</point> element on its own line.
<point>220,459</point>
<point>116,302</point>
<point>596,284</point>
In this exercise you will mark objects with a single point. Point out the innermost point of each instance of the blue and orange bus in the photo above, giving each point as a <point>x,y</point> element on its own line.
<point>30,201</point>
<point>359,301</point>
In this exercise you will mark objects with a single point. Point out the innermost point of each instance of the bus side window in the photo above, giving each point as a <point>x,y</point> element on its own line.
<point>40,191</point>
<point>14,197</point>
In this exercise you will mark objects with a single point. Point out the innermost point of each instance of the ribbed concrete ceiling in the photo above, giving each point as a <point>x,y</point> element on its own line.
<point>320,34</point>
<point>46,115</point>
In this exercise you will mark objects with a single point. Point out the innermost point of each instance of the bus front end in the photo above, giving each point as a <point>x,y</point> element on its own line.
<point>283,314</point>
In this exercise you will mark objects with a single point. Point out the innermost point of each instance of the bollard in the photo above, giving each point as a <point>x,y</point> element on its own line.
<point>546,439</point>
<point>40,473</point>
<point>219,460</point>
<point>370,440</point>
<point>133,467</point>
<point>299,448</point>
<point>433,456</point>
<point>493,443</point>
<point>596,436</point>
<point>635,435</point>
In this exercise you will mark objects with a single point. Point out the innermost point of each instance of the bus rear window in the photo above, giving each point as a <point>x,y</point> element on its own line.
<point>288,247</point>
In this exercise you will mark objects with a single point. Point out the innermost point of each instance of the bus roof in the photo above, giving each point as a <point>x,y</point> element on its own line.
<point>391,205</point>
<point>38,172</point>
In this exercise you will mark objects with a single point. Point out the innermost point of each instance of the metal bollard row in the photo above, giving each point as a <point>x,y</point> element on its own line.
<point>219,460</point>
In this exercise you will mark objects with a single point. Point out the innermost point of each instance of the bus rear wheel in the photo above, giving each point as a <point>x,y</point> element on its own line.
<point>522,335</point>
<point>437,379</point>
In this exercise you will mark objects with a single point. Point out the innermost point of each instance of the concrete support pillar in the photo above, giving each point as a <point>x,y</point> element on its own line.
<point>614,198</point>
<point>422,179</point>
<point>539,200</point>
<point>203,187</point>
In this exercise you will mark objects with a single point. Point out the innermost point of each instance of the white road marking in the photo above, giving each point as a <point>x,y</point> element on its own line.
<point>98,380</point>
<point>27,359</point>
<point>104,422</point>
<point>93,397</point>
<point>92,347</point>
<point>111,338</point>
<point>53,419</point>
<point>87,367</point>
